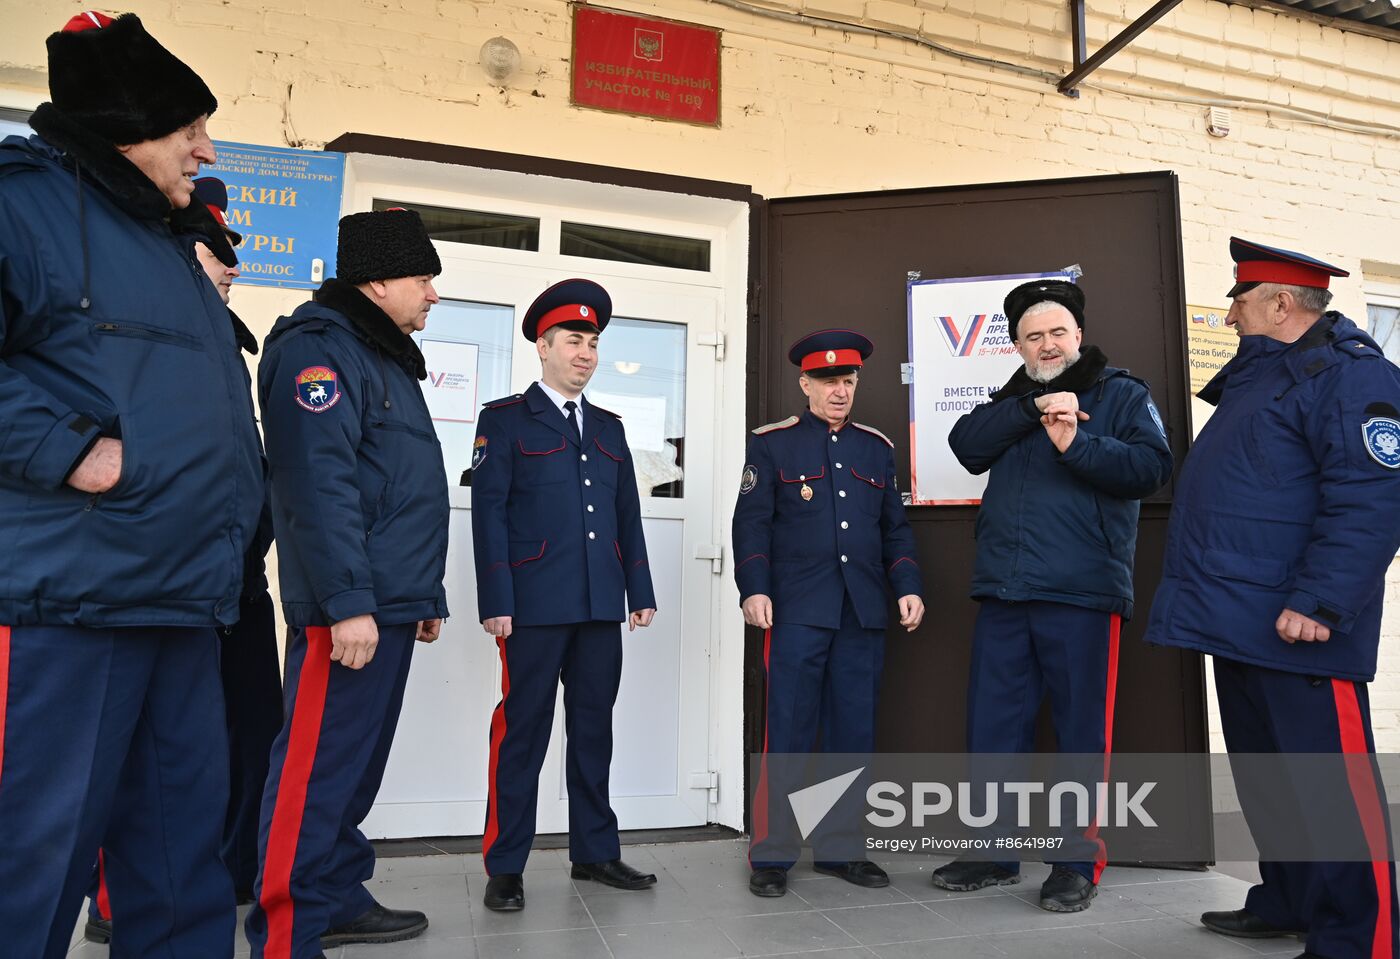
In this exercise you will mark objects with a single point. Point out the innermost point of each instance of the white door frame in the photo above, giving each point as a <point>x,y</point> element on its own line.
<point>725,223</point>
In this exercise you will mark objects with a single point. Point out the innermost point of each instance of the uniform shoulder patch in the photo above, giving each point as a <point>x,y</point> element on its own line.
<point>780,425</point>
<point>504,401</point>
<point>317,388</point>
<point>1382,436</point>
<point>478,452</point>
<point>874,432</point>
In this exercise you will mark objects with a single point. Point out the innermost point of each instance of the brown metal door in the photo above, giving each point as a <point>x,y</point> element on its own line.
<point>844,260</point>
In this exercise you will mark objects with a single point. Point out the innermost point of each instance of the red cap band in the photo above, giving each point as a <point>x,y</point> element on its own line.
<point>218,216</point>
<point>825,358</point>
<point>1274,271</point>
<point>88,20</point>
<point>573,312</point>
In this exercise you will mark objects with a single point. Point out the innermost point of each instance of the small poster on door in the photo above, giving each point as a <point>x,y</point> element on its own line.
<point>450,389</point>
<point>643,418</point>
<point>961,351</point>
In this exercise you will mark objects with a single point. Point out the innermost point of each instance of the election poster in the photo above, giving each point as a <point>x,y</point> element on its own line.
<point>960,351</point>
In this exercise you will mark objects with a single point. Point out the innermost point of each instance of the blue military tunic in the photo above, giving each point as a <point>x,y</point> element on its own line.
<point>556,519</point>
<point>819,518</point>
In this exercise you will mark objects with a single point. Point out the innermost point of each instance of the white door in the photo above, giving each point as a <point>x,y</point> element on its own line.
<point>656,371</point>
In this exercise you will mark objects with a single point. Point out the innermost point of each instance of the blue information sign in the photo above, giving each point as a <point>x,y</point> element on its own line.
<point>286,204</point>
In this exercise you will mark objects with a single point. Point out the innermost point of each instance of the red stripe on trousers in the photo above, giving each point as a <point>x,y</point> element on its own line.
<point>4,689</point>
<point>283,834</point>
<point>1361,778</point>
<point>104,902</point>
<point>760,794</point>
<point>1115,628</point>
<point>498,735</point>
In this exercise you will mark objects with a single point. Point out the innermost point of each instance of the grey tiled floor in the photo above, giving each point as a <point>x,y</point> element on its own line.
<point>701,909</point>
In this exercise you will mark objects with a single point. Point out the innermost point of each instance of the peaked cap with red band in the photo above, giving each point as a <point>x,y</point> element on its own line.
<point>111,77</point>
<point>210,191</point>
<point>1256,263</point>
<point>830,352</point>
<point>574,304</point>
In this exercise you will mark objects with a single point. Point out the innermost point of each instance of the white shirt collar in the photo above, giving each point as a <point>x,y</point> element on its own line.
<point>559,399</point>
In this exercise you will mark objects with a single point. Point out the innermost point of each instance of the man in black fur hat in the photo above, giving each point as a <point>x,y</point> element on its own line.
<point>1072,445</point>
<point>360,511</point>
<point>130,488</point>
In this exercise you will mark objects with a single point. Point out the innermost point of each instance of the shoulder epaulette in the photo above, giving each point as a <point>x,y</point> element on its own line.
<point>1357,348</point>
<point>871,429</point>
<point>505,401</point>
<point>780,425</point>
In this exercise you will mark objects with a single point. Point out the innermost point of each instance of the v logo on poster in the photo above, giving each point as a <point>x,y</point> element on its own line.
<point>960,344</point>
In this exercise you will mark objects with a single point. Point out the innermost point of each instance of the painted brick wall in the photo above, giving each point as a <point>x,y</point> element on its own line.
<point>1313,159</point>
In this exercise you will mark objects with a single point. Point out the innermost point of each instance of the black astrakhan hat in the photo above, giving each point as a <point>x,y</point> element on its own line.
<point>384,245</point>
<point>573,304</point>
<point>1067,294</point>
<point>114,79</point>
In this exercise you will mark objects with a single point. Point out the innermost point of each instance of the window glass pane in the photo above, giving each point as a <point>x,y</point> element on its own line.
<point>13,126</point>
<point>1385,329</point>
<point>474,226</point>
<point>467,348</point>
<point>632,246</point>
<point>641,377</point>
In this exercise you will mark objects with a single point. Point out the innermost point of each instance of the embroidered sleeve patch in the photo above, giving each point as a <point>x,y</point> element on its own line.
<point>318,388</point>
<point>478,451</point>
<point>749,480</point>
<point>1156,417</point>
<point>1382,436</point>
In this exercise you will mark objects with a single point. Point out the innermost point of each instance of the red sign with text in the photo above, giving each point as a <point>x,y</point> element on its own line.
<point>652,68</point>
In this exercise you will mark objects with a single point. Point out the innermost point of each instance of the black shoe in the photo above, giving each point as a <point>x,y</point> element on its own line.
<point>960,876</point>
<point>98,930</point>
<point>615,873</point>
<point>377,924</point>
<point>768,883</point>
<point>862,872</point>
<point>1244,924</point>
<point>505,893</point>
<point>1067,891</point>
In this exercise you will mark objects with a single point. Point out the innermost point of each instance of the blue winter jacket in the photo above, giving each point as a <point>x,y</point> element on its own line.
<point>1290,499</point>
<point>1062,527</point>
<point>359,496</point>
<point>110,327</point>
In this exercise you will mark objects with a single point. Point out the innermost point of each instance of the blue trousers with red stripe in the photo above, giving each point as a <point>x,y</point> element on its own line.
<point>1348,908</point>
<point>823,681</point>
<point>119,733</point>
<point>587,658</point>
<point>326,767</point>
<point>1021,652</point>
<point>252,684</point>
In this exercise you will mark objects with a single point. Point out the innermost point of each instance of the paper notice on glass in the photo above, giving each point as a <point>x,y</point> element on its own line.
<point>451,385</point>
<point>643,417</point>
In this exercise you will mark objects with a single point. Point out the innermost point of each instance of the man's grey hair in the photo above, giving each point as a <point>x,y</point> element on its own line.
<point>1310,299</point>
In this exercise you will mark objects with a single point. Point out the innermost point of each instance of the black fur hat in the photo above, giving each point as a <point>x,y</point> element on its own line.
<point>1068,295</point>
<point>114,79</point>
<point>384,245</point>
